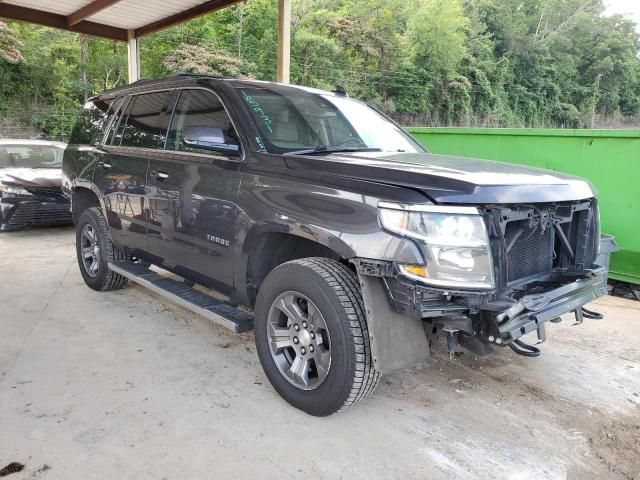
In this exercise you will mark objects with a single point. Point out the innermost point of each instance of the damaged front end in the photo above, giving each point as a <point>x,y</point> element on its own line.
<point>542,263</point>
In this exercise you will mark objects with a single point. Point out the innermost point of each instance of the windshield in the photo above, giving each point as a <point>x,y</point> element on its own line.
<point>290,119</point>
<point>30,156</point>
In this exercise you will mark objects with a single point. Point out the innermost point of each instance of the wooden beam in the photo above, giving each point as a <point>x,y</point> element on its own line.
<point>88,10</point>
<point>47,19</point>
<point>197,11</point>
<point>284,41</point>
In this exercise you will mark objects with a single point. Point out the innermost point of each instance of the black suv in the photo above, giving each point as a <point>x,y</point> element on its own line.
<point>325,227</point>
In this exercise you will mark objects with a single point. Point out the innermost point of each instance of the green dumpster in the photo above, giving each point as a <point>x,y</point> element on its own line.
<point>609,158</point>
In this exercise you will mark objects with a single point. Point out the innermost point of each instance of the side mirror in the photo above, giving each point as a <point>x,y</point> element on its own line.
<point>210,139</point>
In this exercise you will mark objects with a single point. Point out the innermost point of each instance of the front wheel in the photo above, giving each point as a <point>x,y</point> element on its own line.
<point>311,336</point>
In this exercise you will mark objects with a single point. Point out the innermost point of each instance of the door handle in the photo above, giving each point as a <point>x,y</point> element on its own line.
<point>105,165</point>
<point>160,175</point>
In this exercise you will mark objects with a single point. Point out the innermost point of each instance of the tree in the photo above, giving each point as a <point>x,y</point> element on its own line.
<point>9,45</point>
<point>208,60</point>
<point>503,63</point>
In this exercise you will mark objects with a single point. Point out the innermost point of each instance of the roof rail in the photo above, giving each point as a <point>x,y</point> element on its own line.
<point>146,81</point>
<point>194,74</point>
<point>140,82</point>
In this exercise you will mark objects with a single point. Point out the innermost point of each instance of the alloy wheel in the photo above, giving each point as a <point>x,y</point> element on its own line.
<point>299,340</point>
<point>90,249</point>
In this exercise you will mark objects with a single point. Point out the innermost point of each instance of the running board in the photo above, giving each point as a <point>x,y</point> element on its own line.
<point>191,299</point>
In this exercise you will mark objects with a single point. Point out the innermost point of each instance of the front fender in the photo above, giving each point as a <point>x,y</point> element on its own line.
<point>316,234</point>
<point>344,221</point>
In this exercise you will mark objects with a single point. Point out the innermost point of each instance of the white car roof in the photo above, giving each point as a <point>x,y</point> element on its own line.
<point>27,143</point>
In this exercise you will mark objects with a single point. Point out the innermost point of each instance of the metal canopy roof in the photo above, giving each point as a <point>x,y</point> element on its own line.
<point>113,19</point>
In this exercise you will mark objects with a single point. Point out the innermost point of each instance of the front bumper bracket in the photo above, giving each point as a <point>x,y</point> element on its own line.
<point>533,310</point>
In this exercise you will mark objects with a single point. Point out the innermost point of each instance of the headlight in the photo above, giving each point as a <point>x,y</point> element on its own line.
<point>453,240</point>
<point>10,191</point>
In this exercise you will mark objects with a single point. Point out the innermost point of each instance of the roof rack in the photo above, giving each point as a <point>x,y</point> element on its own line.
<point>139,82</point>
<point>195,74</point>
<point>150,81</point>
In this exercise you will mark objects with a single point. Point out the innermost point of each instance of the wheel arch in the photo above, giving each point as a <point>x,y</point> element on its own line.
<point>83,196</point>
<point>270,246</point>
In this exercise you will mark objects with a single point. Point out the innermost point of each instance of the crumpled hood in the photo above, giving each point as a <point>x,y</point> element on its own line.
<point>31,177</point>
<point>448,179</point>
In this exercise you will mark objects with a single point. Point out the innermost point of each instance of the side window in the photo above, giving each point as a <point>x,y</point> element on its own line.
<point>112,118</point>
<point>89,125</point>
<point>119,122</point>
<point>201,125</point>
<point>146,123</point>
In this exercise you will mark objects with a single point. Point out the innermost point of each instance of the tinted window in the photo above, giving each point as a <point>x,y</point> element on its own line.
<point>89,125</point>
<point>146,123</point>
<point>201,124</point>
<point>119,122</point>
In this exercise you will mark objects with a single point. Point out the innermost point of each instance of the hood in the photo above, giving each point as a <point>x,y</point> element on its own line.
<point>31,177</point>
<point>447,179</point>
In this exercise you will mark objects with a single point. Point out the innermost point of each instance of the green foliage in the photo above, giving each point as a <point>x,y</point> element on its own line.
<point>9,45</point>
<point>204,59</point>
<point>437,35</point>
<point>502,63</point>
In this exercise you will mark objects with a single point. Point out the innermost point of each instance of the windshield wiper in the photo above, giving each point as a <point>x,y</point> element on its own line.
<point>320,149</point>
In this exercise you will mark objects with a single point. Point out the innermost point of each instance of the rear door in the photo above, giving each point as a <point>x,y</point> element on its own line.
<point>193,190</point>
<point>84,148</point>
<point>136,136</point>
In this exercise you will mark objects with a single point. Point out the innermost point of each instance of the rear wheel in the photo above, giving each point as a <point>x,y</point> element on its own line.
<point>311,336</point>
<point>94,250</point>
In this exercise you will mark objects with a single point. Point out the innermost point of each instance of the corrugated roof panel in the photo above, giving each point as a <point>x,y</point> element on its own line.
<point>61,7</point>
<point>132,14</point>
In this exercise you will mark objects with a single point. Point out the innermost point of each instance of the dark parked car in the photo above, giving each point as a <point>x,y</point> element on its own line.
<point>30,184</point>
<point>353,246</point>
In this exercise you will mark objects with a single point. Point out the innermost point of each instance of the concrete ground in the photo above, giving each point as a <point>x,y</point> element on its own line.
<point>122,385</point>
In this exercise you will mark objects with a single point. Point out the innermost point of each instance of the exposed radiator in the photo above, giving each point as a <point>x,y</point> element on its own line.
<point>532,252</point>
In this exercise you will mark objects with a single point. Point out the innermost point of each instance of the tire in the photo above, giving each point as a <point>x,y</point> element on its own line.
<point>96,273</point>
<point>332,289</point>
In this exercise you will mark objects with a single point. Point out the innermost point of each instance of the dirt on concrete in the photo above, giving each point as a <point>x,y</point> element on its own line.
<point>124,385</point>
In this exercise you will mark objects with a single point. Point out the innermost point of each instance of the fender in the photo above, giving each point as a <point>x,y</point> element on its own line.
<point>89,185</point>
<point>376,244</point>
<point>248,241</point>
<point>77,171</point>
<point>314,233</point>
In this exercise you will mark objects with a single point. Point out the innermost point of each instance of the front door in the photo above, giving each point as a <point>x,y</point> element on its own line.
<point>193,191</point>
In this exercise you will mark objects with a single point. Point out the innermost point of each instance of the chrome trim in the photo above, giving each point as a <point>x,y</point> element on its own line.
<point>176,90</point>
<point>406,207</point>
<point>163,154</point>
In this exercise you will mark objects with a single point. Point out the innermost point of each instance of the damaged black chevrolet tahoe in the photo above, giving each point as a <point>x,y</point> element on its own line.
<point>318,222</point>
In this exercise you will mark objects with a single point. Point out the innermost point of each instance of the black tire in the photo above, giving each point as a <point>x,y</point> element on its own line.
<point>334,290</point>
<point>102,279</point>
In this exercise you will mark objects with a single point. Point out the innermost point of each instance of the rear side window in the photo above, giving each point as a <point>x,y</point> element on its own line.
<point>201,125</point>
<point>145,125</point>
<point>89,126</point>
